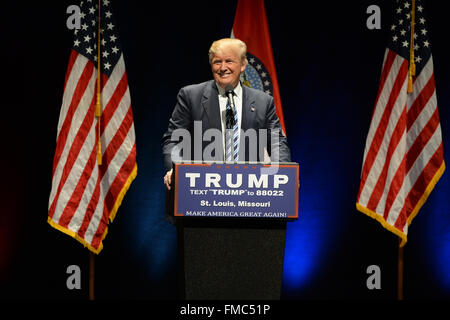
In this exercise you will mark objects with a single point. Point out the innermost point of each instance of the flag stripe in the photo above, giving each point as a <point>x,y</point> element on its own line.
<point>394,165</point>
<point>110,83</point>
<point>72,59</point>
<point>72,205</point>
<point>390,68</point>
<point>408,160</point>
<point>121,133</point>
<point>396,137</point>
<point>74,149</point>
<point>106,183</point>
<point>420,82</point>
<point>76,96</point>
<point>114,103</point>
<point>71,85</point>
<point>420,102</point>
<point>77,159</point>
<point>380,123</point>
<point>113,197</point>
<point>416,128</point>
<point>118,184</point>
<point>92,207</point>
<point>408,181</point>
<point>421,141</point>
<point>418,191</point>
<point>385,120</point>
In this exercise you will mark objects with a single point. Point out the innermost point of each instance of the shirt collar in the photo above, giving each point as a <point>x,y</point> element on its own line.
<point>237,90</point>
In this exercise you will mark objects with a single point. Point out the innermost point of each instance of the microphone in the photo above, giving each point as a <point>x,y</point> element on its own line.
<point>230,121</point>
<point>230,93</point>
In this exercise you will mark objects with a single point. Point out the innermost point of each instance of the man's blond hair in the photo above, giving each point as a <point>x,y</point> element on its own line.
<point>218,45</point>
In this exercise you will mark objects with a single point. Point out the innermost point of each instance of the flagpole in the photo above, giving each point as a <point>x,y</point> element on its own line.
<point>411,73</point>
<point>412,65</point>
<point>98,112</point>
<point>98,109</point>
<point>400,272</point>
<point>91,276</point>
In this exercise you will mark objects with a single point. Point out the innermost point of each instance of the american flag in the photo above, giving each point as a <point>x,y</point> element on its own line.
<point>84,194</point>
<point>403,157</point>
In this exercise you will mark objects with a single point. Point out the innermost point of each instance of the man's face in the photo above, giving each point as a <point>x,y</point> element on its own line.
<point>227,66</point>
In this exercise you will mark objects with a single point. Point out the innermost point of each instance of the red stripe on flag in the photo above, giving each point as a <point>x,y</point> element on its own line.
<point>114,102</point>
<point>419,188</point>
<point>384,121</point>
<point>387,66</point>
<point>395,186</point>
<point>76,98</point>
<point>104,80</point>
<point>421,141</point>
<point>75,148</point>
<point>73,57</point>
<point>420,102</point>
<point>117,140</point>
<point>409,159</point>
<point>121,178</point>
<point>77,195</point>
<point>397,134</point>
<point>90,210</point>
<point>390,58</point>
<point>113,192</point>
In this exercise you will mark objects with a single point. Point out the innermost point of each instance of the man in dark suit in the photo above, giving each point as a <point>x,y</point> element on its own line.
<point>202,107</point>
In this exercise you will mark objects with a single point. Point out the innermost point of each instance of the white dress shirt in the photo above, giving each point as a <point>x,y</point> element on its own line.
<point>223,99</point>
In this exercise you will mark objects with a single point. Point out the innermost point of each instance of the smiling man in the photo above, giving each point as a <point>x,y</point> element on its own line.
<point>210,104</point>
<point>228,60</point>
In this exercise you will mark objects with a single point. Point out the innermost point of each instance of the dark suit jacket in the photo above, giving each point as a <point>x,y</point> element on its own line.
<point>200,102</point>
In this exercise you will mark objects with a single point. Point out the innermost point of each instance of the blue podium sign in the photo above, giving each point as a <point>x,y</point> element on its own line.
<point>236,190</point>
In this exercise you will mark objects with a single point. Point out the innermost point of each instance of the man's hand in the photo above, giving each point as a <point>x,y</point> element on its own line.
<point>168,179</point>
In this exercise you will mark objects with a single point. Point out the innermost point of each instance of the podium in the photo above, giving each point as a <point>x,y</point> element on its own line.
<point>231,228</point>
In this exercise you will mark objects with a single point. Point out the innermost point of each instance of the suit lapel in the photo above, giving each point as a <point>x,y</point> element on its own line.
<point>248,109</point>
<point>210,103</point>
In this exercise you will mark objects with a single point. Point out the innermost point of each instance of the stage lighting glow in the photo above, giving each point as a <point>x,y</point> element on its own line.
<point>438,233</point>
<point>303,246</point>
<point>151,237</point>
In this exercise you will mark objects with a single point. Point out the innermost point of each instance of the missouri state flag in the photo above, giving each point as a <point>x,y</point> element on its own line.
<point>250,25</point>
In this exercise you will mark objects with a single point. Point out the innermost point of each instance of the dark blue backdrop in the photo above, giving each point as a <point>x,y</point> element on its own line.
<point>328,65</point>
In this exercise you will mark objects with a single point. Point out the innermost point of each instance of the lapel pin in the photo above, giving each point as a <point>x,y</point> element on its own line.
<point>252,109</point>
